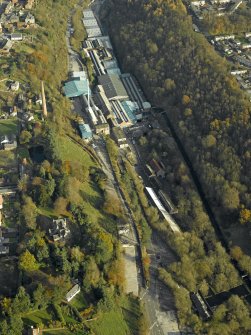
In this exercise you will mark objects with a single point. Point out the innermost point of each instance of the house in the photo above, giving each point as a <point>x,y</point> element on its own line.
<point>59,230</point>
<point>4,249</point>
<point>15,86</point>
<point>30,19</point>
<point>5,46</point>
<point>8,8</point>
<point>8,142</point>
<point>14,18</point>
<point>73,292</point>
<point>34,331</point>
<point>29,4</point>
<point>201,305</point>
<point>16,37</point>
<point>157,167</point>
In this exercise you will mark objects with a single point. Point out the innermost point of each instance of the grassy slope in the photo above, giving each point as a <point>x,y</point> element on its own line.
<point>8,127</point>
<point>111,323</point>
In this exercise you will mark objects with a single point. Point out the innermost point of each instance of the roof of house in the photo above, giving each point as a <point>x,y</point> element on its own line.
<point>113,86</point>
<point>75,88</point>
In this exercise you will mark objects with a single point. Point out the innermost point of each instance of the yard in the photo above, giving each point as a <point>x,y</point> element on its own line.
<point>111,323</point>
<point>79,302</point>
<point>69,151</point>
<point>38,317</point>
<point>8,127</point>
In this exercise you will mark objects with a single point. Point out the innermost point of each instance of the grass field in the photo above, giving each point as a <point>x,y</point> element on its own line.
<point>69,151</point>
<point>8,127</point>
<point>34,318</point>
<point>111,323</point>
<point>79,302</point>
<point>7,158</point>
<point>57,332</point>
<point>131,312</point>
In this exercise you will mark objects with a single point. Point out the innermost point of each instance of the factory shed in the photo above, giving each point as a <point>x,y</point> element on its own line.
<point>85,131</point>
<point>75,88</point>
<point>131,108</point>
<point>113,87</point>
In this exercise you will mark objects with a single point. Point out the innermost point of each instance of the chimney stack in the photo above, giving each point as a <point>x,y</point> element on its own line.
<point>43,100</point>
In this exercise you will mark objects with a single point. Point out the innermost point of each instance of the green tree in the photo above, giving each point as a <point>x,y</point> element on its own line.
<point>25,137</point>
<point>29,211</point>
<point>27,262</point>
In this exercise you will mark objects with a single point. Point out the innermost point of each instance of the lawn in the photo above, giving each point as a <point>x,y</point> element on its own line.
<point>38,317</point>
<point>57,332</point>
<point>131,312</point>
<point>79,302</point>
<point>8,127</point>
<point>111,323</point>
<point>69,151</point>
<point>7,158</point>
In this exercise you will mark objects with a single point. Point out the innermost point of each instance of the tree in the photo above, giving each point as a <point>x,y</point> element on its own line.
<point>29,211</point>
<point>209,141</point>
<point>21,302</point>
<point>39,297</point>
<point>92,274</point>
<point>236,253</point>
<point>25,137</point>
<point>245,215</point>
<point>27,262</point>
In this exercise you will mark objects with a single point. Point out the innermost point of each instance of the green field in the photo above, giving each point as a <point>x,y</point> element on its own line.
<point>111,323</point>
<point>69,151</point>
<point>34,318</point>
<point>8,127</point>
<point>57,332</point>
<point>79,302</point>
<point>7,158</point>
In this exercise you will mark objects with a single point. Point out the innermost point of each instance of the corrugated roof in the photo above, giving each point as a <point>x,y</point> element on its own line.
<point>75,88</point>
<point>113,86</point>
<point>85,130</point>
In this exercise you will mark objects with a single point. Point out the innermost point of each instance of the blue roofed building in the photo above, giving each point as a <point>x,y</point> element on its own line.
<point>85,131</point>
<point>76,88</point>
<point>131,108</point>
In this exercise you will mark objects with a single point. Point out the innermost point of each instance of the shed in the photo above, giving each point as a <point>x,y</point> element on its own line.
<point>85,131</point>
<point>73,292</point>
<point>16,37</point>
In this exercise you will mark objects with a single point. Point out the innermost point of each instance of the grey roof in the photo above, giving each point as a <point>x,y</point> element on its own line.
<point>113,86</point>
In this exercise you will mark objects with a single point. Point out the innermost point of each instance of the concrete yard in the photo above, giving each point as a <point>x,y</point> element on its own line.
<point>131,270</point>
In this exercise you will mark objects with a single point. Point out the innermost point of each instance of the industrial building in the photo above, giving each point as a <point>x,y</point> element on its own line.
<point>91,24</point>
<point>88,13</point>
<point>111,66</point>
<point>76,88</point>
<point>134,91</point>
<point>98,42</point>
<point>85,131</point>
<point>113,87</point>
